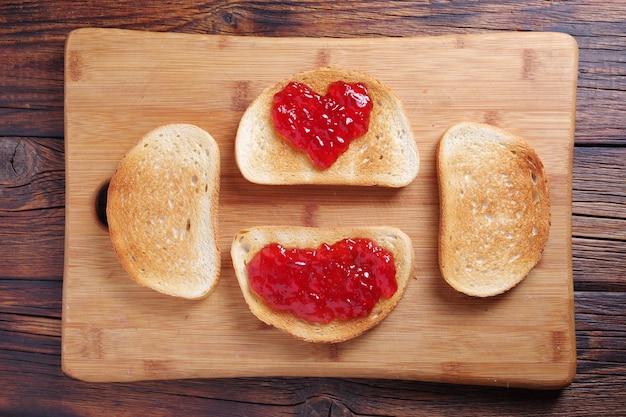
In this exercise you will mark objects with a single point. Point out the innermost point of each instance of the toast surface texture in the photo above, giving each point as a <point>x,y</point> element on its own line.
<point>494,209</point>
<point>386,155</point>
<point>248,242</point>
<point>162,211</point>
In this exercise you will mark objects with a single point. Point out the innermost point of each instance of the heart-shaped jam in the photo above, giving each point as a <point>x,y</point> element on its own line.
<point>323,126</point>
<point>342,281</point>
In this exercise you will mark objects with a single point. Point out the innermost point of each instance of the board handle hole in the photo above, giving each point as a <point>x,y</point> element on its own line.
<point>101,204</point>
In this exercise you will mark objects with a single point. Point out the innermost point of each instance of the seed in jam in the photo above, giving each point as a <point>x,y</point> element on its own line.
<point>342,281</point>
<point>322,126</point>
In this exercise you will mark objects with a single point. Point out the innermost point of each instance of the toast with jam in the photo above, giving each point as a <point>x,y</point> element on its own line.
<point>327,126</point>
<point>494,208</point>
<point>161,210</point>
<point>323,285</point>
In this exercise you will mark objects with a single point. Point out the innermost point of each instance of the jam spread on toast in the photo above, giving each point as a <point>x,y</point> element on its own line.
<point>322,126</point>
<point>341,281</point>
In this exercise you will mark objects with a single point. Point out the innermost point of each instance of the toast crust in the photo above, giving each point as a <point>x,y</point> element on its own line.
<point>247,243</point>
<point>494,209</point>
<point>386,155</point>
<point>162,211</point>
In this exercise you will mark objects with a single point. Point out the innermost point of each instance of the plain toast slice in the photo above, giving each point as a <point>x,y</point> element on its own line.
<point>162,211</point>
<point>494,208</point>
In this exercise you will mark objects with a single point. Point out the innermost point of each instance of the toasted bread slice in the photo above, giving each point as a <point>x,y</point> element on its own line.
<point>385,156</point>
<point>162,211</point>
<point>247,243</point>
<point>494,209</point>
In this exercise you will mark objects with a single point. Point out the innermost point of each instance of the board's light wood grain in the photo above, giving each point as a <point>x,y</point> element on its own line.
<point>121,84</point>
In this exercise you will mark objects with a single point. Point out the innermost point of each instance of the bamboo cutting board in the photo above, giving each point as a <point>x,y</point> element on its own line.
<point>121,84</point>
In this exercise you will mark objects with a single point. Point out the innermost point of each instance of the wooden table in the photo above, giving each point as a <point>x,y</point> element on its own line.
<point>32,210</point>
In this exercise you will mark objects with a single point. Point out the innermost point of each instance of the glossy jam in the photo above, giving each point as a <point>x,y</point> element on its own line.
<point>342,281</point>
<point>322,126</point>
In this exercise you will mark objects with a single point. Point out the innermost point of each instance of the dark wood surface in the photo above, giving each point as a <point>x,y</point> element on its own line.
<point>32,182</point>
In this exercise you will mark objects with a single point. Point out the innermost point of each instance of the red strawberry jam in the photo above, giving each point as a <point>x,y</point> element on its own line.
<point>342,281</point>
<point>323,126</point>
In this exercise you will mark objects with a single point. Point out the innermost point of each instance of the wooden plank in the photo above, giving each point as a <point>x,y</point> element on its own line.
<point>120,84</point>
<point>26,359</point>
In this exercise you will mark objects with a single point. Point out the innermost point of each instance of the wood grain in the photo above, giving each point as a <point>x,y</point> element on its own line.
<point>32,363</point>
<point>119,86</point>
<point>32,37</point>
